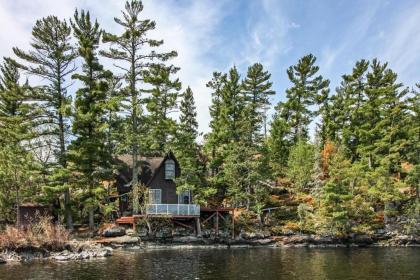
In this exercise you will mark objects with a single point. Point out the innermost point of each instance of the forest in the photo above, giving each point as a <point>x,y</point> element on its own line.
<point>335,161</point>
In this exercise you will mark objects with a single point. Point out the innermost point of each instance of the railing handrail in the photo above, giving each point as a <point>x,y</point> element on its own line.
<point>180,209</point>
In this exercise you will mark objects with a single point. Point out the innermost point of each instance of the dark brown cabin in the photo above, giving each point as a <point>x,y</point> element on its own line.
<point>158,174</point>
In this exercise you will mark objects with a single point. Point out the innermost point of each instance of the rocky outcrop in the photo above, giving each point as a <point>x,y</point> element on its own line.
<point>74,251</point>
<point>115,231</point>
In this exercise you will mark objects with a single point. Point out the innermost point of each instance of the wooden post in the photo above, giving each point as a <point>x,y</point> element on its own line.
<point>217,223</point>
<point>198,226</point>
<point>233,223</point>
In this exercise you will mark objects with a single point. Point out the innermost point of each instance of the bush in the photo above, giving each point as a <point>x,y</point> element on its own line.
<point>43,234</point>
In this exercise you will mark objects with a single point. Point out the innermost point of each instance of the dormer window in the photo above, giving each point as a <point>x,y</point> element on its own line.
<point>169,169</point>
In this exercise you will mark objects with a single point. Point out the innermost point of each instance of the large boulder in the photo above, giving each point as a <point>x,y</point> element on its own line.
<point>114,232</point>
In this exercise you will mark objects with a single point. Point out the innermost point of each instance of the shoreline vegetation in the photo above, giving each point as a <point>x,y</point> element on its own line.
<point>321,167</point>
<point>45,241</point>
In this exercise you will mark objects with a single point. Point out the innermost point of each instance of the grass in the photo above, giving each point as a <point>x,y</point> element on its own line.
<point>42,234</point>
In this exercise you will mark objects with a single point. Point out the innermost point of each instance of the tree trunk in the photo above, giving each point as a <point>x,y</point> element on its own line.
<point>91,220</point>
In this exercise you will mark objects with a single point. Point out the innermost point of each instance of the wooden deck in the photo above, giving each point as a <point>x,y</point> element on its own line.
<point>207,215</point>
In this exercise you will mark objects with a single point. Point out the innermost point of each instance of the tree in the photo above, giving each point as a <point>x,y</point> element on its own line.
<point>188,151</point>
<point>51,58</point>
<point>214,138</point>
<point>132,51</point>
<point>19,173</point>
<point>336,195</point>
<point>279,143</point>
<point>300,164</point>
<point>232,106</point>
<point>88,151</point>
<point>307,90</point>
<point>161,103</point>
<point>256,90</point>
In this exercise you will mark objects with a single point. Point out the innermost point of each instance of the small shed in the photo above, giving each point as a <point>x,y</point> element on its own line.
<point>30,213</point>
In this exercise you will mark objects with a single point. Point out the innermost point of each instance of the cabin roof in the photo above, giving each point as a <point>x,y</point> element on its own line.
<point>149,166</point>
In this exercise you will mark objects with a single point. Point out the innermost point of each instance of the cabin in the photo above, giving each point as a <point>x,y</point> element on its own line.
<point>158,175</point>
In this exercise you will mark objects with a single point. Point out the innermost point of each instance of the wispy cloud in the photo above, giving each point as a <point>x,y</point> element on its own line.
<point>402,45</point>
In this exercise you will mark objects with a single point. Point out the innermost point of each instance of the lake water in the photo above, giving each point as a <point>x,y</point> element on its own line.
<point>239,263</point>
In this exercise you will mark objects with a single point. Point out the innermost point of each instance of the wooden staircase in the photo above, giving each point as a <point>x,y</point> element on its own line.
<point>127,220</point>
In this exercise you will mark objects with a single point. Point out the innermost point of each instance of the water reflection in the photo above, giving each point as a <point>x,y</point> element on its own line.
<point>261,263</point>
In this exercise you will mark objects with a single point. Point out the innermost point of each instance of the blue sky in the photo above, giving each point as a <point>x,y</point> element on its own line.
<point>212,35</point>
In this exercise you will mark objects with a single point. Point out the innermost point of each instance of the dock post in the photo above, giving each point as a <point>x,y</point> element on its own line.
<point>198,226</point>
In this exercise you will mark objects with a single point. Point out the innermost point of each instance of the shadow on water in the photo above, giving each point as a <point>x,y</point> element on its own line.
<point>241,263</point>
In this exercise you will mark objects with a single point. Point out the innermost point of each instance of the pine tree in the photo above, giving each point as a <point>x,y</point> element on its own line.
<point>18,119</point>
<point>300,164</point>
<point>188,151</point>
<point>257,91</point>
<point>161,103</point>
<point>88,151</point>
<point>279,142</point>
<point>232,106</point>
<point>307,90</point>
<point>336,195</point>
<point>214,138</point>
<point>132,50</point>
<point>51,58</point>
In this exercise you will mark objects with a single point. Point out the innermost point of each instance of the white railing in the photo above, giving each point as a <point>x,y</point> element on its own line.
<point>173,209</point>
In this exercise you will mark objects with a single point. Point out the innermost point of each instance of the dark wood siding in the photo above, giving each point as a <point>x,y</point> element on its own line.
<point>168,187</point>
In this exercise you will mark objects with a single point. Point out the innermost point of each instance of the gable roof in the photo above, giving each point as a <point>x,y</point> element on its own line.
<point>149,167</point>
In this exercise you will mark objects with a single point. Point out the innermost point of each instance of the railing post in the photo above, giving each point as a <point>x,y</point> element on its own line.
<point>189,209</point>
<point>177,210</point>
<point>156,209</point>
<point>167,209</point>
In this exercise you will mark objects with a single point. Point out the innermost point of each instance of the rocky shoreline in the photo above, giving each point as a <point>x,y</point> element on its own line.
<point>84,250</point>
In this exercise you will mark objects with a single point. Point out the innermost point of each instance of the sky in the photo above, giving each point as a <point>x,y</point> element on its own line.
<point>214,35</point>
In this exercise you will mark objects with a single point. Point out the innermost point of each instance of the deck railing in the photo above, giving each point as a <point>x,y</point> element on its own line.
<point>173,209</point>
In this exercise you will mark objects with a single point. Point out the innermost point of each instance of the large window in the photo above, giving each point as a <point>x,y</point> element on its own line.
<point>169,169</point>
<point>155,196</point>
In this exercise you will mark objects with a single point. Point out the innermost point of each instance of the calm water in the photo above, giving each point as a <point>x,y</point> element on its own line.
<point>261,263</point>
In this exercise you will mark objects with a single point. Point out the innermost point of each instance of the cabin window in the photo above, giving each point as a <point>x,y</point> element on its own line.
<point>184,197</point>
<point>169,169</point>
<point>155,196</point>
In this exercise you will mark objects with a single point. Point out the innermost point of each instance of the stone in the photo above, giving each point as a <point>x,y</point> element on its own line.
<point>114,232</point>
<point>2,260</point>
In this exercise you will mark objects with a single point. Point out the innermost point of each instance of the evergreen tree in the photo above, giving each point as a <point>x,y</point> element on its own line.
<point>256,90</point>
<point>300,163</point>
<point>336,197</point>
<point>19,115</point>
<point>214,138</point>
<point>279,142</point>
<point>51,59</point>
<point>132,50</point>
<point>188,151</point>
<point>88,151</point>
<point>161,103</point>
<point>307,90</point>
<point>232,106</point>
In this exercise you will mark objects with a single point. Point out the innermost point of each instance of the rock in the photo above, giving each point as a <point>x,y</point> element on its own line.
<point>362,239</point>
<point>2,260</point>
<point>114,232</point>
<point>298,239</point>
<point>130,232</point>
<point>125,240</point>
<point>187,240</point>
<point>265,241</point>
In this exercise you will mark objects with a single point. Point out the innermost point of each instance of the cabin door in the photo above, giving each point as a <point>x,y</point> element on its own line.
<point>184,197</point>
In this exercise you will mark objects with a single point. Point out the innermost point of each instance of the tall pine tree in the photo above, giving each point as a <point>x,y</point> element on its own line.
<point>51,58</point>
<point>134,52</point>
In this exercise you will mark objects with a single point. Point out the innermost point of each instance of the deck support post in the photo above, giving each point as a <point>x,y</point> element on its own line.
<point>233,224</point>
<point>217,223</point>
<point>198,226</point>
